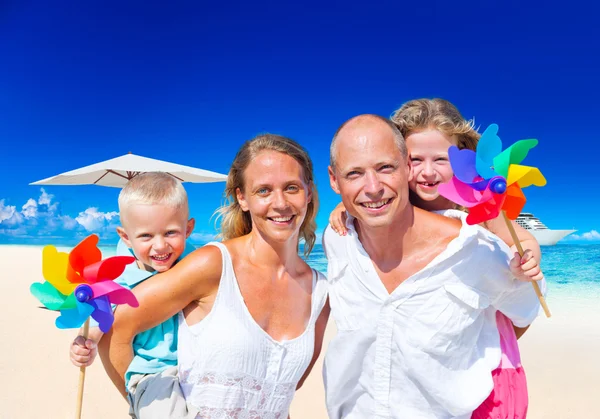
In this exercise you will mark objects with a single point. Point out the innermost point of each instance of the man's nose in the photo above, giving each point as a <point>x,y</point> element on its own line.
<point>373,184</point>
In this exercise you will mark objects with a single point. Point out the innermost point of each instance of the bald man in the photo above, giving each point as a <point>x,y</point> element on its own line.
<point>413,293</point>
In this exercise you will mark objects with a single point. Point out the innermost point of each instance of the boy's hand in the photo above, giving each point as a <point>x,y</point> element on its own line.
<point>83,352</point>
<point>337,219</point>
<point>526,268</point>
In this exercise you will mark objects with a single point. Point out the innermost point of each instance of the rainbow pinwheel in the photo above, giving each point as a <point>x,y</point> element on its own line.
<point>80,284</point>
<point>491,180</point>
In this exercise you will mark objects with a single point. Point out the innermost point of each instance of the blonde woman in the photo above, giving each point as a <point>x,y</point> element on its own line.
<point>259,319</point>
<point>430,127</point>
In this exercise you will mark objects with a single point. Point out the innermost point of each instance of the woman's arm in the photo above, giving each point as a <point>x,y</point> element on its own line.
<point>320,326</point>
<point>160,297</point>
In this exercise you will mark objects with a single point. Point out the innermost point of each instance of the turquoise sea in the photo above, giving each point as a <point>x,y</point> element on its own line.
<point>569,268</point>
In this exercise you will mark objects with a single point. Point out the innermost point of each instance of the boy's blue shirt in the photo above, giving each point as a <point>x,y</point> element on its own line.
<point>155,349</point>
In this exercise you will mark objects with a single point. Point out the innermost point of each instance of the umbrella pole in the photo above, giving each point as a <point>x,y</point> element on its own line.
<point>536,287</point>
<point>86,328</point>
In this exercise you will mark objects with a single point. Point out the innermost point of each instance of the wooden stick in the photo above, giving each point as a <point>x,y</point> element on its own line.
<point>536,287</point>
<point>86,328</point>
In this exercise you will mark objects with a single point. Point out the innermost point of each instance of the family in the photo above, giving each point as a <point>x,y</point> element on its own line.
<point>428,309</point>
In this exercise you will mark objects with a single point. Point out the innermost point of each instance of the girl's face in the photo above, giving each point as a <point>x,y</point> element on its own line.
<point>428,154</point>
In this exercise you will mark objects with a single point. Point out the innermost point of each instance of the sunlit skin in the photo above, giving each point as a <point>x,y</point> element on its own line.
<point>156,233</point>
<point>428,154</point>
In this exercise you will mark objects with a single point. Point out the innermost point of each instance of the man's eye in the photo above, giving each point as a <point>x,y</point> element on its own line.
<point>262,191</point>
<point>386,167</point>
<point>293,188</point>
<point>353,173</point>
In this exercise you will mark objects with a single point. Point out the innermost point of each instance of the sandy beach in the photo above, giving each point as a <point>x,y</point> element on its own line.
<point>559,355</point>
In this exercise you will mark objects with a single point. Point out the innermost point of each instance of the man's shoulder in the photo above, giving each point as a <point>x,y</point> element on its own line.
<point>333,244</point>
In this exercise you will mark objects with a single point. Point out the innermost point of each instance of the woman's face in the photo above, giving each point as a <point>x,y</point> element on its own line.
<point>428,154</point>
<point>275,195</point>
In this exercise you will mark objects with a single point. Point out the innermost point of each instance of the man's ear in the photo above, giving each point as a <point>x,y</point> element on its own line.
<point>123,235</point>
<point>241,200</point>
<point>333,180</point>
<point>190,227</point>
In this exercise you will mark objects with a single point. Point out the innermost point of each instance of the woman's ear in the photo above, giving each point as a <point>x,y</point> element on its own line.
<point>241,200</point>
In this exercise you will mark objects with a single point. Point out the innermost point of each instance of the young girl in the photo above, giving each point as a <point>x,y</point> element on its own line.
<point>430,127</point>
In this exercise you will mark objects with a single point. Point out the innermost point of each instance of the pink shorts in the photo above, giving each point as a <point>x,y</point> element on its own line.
<point>508,399</point>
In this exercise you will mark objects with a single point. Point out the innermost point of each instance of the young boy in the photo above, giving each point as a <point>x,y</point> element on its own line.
<point>154,217</point>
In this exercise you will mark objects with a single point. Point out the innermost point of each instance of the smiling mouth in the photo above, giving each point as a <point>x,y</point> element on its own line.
<point>282,220</point>
<point>161,258</point>
<point>429,184</point>
<point>376,205</point>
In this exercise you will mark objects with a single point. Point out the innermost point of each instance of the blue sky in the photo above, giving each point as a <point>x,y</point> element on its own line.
<point>189,82</point>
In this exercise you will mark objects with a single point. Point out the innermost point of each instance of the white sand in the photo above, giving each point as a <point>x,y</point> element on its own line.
<point>559,355</point>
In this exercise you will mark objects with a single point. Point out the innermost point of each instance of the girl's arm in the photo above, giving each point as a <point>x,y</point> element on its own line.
<point>523,268</point>
<point>160,297</point>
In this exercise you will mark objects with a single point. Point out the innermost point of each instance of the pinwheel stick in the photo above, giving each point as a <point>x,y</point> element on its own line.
<point>536,287</point>
<point>86,328</point>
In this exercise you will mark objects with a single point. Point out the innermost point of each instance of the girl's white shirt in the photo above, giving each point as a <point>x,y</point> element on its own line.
<point>229,367</point>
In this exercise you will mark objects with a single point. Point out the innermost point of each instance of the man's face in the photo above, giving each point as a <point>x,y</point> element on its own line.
<point>371,175</point>
<point>156,233</point>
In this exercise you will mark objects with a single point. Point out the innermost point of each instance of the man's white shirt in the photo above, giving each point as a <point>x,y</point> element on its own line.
<point>427,349</point>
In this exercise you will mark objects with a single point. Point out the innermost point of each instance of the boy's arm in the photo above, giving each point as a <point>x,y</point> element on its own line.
<point>160,298</point>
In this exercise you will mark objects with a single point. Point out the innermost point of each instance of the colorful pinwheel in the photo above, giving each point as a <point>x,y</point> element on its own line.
<point>80,284</point>
<point>490,181</point>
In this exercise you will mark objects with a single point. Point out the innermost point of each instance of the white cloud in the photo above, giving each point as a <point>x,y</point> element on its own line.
<point>590,235</point>
<point>93,220</point>
<point>29,210</point>
<point>6,211</point>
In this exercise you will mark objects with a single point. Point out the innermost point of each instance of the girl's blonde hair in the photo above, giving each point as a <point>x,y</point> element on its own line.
<point>421,114</point>
<point>234,221</point>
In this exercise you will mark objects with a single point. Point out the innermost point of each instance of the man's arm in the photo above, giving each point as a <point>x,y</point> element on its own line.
<point>160,297</point>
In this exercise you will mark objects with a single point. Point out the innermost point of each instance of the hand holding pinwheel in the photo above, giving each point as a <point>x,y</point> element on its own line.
<point>79,285</point>
<point>489,181</point>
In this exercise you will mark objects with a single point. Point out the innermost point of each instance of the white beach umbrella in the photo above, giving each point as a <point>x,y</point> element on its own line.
<point>116,172</point>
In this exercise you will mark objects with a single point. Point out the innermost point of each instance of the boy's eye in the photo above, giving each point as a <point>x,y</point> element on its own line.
<point>145,235</point>
<point>171,232</point>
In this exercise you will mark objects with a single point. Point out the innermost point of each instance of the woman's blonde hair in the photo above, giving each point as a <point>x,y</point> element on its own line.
<point>234,221</point>
<point>421,114</point>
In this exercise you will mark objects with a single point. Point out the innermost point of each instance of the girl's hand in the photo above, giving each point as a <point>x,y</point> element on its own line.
<point>526,268</point>
<point>337,219</point>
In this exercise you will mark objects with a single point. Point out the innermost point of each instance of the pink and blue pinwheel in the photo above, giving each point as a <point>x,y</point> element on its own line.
<point>489,180</point>
<point>80,284</point>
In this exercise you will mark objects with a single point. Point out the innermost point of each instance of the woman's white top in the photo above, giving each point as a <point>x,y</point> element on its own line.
<point>427,349</point>
<point>229,367</point>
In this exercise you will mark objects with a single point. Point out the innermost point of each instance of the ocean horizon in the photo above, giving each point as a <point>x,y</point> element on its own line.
<point>569,268</point>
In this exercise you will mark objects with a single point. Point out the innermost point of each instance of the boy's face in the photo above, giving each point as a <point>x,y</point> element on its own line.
<point>156,233</point>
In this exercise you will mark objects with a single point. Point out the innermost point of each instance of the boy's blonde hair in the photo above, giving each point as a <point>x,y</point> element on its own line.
<point>154,188</point>
<point>234,221</point>
<point>421,114</point>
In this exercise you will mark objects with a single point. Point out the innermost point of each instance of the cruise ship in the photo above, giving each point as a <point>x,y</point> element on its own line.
<point>543,234</point>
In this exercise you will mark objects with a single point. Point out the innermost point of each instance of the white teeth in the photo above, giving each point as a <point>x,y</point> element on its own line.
<point>281,219</point>
<point>161,257</point>
<point>375,204</point>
